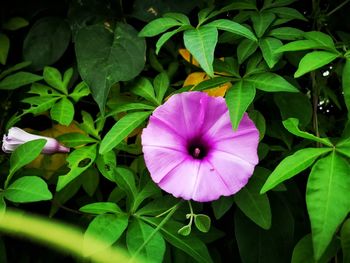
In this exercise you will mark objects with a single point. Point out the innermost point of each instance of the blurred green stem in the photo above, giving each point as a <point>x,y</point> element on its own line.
<point>337,8</point>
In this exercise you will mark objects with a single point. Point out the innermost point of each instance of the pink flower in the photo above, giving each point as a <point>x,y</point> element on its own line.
<point>192,151</point>
<point>17,136</point>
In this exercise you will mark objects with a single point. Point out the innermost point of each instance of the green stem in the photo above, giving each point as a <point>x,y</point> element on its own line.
<point>315,94</point>
<point>337,8</point>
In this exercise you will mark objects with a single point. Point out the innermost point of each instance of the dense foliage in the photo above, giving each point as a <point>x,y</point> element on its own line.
<point>90,73</point>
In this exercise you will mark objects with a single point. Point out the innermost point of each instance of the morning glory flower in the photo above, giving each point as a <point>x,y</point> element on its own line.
<point>192,151</point>
<point>17,136</point>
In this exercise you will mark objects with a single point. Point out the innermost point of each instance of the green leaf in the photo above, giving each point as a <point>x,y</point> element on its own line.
<point>166,36</point>
<point>54,78</point>
<point>63,111</point>
<point>128,107</point>
<point>293,165</point>
<point>67,77</point>
<point>322,39</point>
<point>202,222</point>
<point>88,124</point>
<point>106,57</point>
<point>238,98</point>
<point>254,205</point>
<point>142,240</point>
<point>292,124</point>
<point>245,48</point>
<point>78,161</point>
<point>161,84</point>
<point>191,245</point>
<point>46,41</point>
<point>106,163</point>
<point>201,43</point>
<point>15,23</point>
<point>75,139</point>
<point>343,146</point>
<point>18,80</point>
<point>149,190</point>
<point>299,45</point>
<point>345,83</point>
<point>259,122</point>
<point>125,179</point>
<point>185,230</point>
<point>286,33</point>
<point>288,13</point>
<point>91,181</point>
<point>144,88</point>
<point>211,83</point>
<point>345,240</point>
<point>314,60</point>
<point>273,245</point>
<point>14,68</point>
<point>39,104</point>
<point>157,206</point>
<point>81,90</point>
<point>303,251</point>
<point>4,48</point>
<point>295,105</point>
<point>221,206</point>
<point>179,17</point>
<point>270,82</point>
<point>101,208</point>
<point>107,228</point>
<point>268,45</point>
<point>122,129</point>
<point>25,153</point>
<point>326,198</point>
<point>232,27</point>
<point>28,189</point>
<point>158,26</point>
<point>261,21</point>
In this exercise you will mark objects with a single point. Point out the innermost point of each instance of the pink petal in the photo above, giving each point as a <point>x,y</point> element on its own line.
<point>160,161</point>
<point>184,112</point>
<point>234,171</point>
<point>181,181</point>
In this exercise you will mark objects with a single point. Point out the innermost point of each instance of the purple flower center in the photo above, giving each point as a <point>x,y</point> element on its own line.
<point>198,148</point>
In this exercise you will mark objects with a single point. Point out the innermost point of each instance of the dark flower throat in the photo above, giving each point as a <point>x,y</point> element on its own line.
<point>197,149</point>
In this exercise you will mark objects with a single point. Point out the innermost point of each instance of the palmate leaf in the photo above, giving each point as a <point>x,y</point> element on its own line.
<point>25,153</point>
<point>314,60</point>
<point>122,129</point>
<point>63,111</point>
<point>78,161</point>
<point>144,88</point>
<point>254,205</point>
<point>292,165</point>
<point>106,57</point>
<point>142,241</point>
<point>54,78</point>
<point>106,227</point>
<point>232,27</point>
<point>246,48</point>
<point>166,36</point>
<point>201,43</point>
<point>158,26</point>
<point>18,80</point>
<point>270,82</point>
<point>268,45</point>
<point>191,245</point>
<point>286,33</point>
<point>321,38</point>
<point>261,21</point>
<point>327,199</point>
<point>101,208</point>
<point>28,189</point>
<point>238,98</point>
<point>345,240</point>
<point>299,45</point>
<point>292,125</point>
<point>346,83</point>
